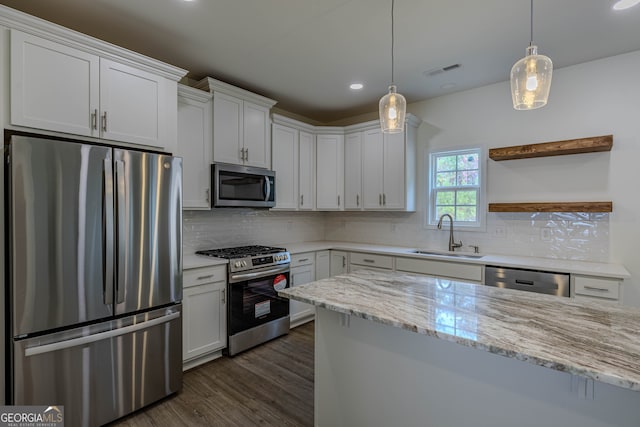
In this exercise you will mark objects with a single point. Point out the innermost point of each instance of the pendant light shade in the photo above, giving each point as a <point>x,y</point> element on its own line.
<point>531,78</point>
<point>392,106</point>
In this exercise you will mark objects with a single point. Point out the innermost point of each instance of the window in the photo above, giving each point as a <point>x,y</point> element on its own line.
<point>456,184</point>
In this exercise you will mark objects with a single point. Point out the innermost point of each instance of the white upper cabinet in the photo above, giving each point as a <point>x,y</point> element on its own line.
<point>53,86</point>
<point>241,125</point>
<point>388,167</point>
<point>257,141</point>
<point>353,171</point>
<point>228,129</point>
<point>307,171</point>
<point>69,88</point>
<point>294,160</point>
<point>133,104</point>
<point>195,140</point>
<point>285,164</point>
<point>330,171</point>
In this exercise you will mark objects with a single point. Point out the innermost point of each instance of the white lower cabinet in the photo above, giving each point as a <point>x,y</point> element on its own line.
<point>302,271</point>
<point>204,318</point>
<point>453,270</point>
<point>366,261</point>
<point>339,263</point>
<point>595,289</point>
<point>323,265</point>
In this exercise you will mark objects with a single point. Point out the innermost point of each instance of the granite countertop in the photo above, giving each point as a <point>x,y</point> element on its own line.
<point>582,338</point>
<point>600,269</point>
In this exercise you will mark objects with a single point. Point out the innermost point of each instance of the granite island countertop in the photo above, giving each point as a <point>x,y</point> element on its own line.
<point>581,338</point>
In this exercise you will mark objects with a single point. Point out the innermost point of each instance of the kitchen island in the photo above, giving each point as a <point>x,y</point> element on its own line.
<point>402,349</point>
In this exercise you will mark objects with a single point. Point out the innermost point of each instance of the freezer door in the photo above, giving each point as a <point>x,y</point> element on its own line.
<point>103,371</point>
<point>148,189</point>
<point>60,209</point>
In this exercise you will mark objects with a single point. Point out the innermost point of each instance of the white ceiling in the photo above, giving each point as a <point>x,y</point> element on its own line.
<point>305,53</point>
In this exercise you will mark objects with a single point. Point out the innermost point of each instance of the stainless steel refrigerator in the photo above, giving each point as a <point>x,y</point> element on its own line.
<point>94,247</point>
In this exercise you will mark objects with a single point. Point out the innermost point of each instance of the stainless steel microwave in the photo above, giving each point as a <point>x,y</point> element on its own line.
<point>238,186</point>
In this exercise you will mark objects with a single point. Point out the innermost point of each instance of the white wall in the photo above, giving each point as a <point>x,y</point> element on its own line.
<point>596,98</point>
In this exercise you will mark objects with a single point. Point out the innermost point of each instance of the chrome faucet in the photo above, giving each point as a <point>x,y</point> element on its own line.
<point>452,244</point>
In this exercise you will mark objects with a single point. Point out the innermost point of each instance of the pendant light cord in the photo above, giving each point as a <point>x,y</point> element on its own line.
<point>392,41</point>
<point>531,39</point>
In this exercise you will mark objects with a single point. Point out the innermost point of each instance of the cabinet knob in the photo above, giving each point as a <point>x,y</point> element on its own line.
<point>357,200</point>
<point>104,121</point>
<point>384,199</point>
<point>302,200</point>
<point>338,200</point>
<point>246,154</point>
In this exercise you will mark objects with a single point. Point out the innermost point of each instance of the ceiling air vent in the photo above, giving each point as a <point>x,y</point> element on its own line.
<point>435,71</point>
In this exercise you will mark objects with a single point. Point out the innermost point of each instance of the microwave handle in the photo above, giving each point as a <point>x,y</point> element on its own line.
<point>267,188</point>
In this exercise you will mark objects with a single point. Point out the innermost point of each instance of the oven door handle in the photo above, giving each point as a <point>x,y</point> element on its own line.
<point>234,278</point>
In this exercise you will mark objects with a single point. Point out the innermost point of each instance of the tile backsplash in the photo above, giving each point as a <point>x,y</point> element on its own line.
<point>576,236</point>
<point>236,227</point>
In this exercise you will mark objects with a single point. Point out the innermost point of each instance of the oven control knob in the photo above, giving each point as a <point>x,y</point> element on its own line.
<point>238,264</point>
<point>244,263</point>
<point>277,257</point>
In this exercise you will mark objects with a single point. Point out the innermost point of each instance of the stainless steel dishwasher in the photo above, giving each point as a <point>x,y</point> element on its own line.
<point>543,282</point>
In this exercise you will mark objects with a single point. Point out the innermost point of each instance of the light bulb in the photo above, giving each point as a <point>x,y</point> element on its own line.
<point>393,114</point>
<point>532,82</point>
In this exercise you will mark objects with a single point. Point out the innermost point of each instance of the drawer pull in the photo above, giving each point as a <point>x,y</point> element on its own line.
<point>591,288</point>
<point>205,277</point>
<point>524,282</point>
<point>370,261</point>
<point>303,260</point>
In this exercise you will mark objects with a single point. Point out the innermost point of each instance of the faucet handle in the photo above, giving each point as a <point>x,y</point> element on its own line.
<point>476,248</point>
<point>457,245</point>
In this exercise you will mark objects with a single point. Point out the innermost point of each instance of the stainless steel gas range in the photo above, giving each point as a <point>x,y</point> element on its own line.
<point>255,312</point>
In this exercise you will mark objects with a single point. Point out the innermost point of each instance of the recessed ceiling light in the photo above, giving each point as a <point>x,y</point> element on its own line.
<point>356,86</point>
<point>625,4</point>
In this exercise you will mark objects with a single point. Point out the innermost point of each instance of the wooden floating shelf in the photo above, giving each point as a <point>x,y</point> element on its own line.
<point>557,148</point>
<point>552,207</point>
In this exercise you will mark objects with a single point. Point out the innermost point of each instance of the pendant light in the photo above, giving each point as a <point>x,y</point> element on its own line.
<point>392,106</point>
<point>531,78</point>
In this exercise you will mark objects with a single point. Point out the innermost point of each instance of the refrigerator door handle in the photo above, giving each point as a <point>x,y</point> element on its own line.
<point>75,342</point>
<point>108,232</point>
<point>120,218</point>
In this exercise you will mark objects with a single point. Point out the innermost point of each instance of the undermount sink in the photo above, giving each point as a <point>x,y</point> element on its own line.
<point>440,253</point>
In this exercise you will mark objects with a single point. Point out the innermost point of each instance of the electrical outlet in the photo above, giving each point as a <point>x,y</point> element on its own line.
<point>501,232</point>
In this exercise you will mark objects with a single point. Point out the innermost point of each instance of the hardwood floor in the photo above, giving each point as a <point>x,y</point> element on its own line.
<point>270,385</point>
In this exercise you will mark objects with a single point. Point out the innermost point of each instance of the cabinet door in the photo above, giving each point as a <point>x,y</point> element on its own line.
<point>393,187</point>
<point>227,129</point>
<point>300,310</point>
<point>330,176</point>
<point>285,163</point>
<point>323,264</point>
<point>195,141</point>
<point>307,171</point>
<point>353,171</point>
<point>257,139</point>
<point>204,319</point>
<point>133,105</point>
<point>53,87</point>
<point>372,164</point>
<point>338,263</point>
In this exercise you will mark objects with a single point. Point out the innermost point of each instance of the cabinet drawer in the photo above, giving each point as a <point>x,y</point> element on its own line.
<point>371,260</point>
<point>597,287</point>
<point>199,276</point>
<point>440,268</point>
<point>307,258</point>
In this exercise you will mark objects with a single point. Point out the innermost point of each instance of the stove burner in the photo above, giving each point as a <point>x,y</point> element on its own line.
<point>241,251</point>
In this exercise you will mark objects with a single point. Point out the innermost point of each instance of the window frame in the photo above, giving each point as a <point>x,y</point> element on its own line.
<point>431,221</point>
